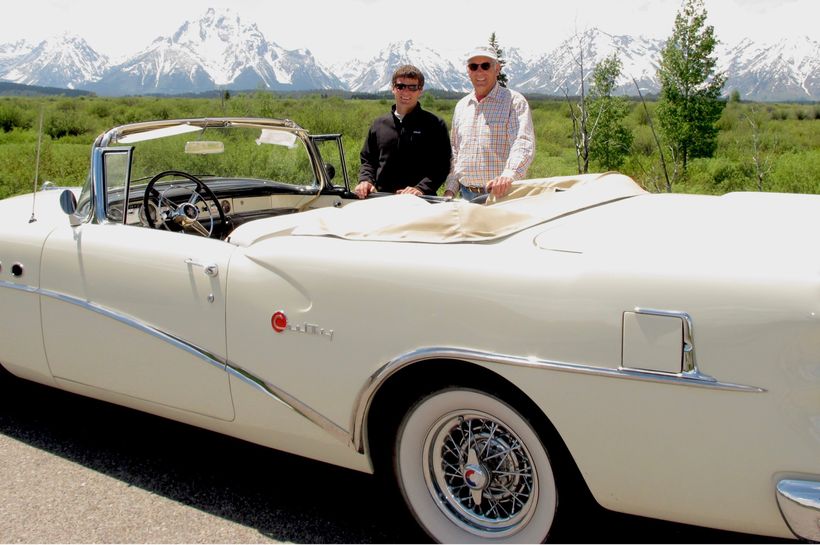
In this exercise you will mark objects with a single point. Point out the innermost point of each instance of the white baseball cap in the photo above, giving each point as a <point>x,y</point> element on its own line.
<point>482,51</point>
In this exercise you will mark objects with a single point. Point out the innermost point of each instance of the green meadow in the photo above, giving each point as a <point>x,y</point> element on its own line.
<point>761,146</point>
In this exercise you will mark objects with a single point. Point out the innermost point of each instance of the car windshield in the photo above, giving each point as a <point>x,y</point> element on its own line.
<point>224,153</point>
<point>236,151</point>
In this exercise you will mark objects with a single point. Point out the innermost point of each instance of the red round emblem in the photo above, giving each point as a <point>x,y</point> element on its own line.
<point>279,321</point>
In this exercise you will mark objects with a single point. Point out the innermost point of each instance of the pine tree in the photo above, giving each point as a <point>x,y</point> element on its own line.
<point>502,77</point>
<point>690,104</point>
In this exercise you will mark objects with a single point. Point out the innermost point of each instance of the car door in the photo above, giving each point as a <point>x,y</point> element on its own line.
<point>138,312</point>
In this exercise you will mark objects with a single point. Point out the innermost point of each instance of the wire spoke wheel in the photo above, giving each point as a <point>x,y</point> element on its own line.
<point>471,468</point>
<point>481,471</point>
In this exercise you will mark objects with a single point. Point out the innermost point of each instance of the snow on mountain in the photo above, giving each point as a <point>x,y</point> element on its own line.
<point>559,71</point>
<point>786,70</point>
<point>348,71</point>
<point>162,67</point>
<point>219,50</point>
<point>11,52</point>
<point>63,61</point>
<point>225,48</point>
<point>375,75</point>
<point>515,66</point>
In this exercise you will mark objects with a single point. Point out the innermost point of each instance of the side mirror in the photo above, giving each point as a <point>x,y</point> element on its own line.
<point>68,202</point>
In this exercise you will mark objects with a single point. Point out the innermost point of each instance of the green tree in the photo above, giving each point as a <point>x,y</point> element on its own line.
<point>690,105</point>
<point>502,77</point>
<point>612,140</point>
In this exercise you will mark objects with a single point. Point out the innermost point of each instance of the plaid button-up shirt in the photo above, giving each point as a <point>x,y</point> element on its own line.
<point>491,138</point>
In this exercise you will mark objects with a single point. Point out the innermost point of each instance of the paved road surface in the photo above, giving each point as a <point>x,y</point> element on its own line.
<point>75,470</point>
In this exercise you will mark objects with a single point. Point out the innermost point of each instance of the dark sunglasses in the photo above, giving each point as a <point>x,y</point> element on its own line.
<point>484,66</point>
<point>408,86</point>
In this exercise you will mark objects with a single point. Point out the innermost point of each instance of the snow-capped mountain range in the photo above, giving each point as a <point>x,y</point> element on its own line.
<point>220,51</point>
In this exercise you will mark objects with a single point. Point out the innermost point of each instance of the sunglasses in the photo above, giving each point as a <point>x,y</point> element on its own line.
<point>475,66</point>
<point>408,86</point>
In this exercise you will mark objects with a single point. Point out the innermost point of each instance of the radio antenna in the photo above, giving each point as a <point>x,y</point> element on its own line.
<point>32,219</point>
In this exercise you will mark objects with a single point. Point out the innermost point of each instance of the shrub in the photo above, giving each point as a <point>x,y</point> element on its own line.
<point>644,142</point>
<point>12,116</point>
<point>67,106</point>
<point>160,111</point>
<point>728,175</point>
<point>797,172</point>
<point>126,115</point>
<point>780,114</point>
<point>100,109</point>
<point>65,123</point>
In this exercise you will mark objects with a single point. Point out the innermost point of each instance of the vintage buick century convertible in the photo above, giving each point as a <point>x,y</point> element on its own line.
<point>660,353</point>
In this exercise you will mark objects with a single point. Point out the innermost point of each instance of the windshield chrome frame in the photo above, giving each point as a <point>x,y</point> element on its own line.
<point>112,137</point>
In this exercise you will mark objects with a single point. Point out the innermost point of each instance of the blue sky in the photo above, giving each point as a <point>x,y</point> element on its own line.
<point>336,30</point>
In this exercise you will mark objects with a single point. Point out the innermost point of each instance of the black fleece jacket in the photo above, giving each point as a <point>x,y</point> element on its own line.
<point>412,152</point>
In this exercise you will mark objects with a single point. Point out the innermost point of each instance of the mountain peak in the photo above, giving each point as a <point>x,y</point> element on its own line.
<point>220,50</point>
<point>63,60</point>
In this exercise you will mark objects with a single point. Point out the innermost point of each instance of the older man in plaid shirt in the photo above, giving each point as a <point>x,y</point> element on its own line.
<point>492,135</point>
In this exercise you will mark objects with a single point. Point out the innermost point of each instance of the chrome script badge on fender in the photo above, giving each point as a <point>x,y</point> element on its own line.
<point>279,323</point>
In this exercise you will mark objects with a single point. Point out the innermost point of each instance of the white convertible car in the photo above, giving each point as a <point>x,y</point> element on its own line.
<point>496,359</point>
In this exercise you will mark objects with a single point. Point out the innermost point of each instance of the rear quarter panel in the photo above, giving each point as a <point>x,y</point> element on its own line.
<point>684,453</point>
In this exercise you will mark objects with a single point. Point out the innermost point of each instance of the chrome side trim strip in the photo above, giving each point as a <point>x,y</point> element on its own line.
<point>799,503</point>
<point>19,287</point>
<point>274,392</point>
<point>464,354</point>
<point>185,346</point>
<point>294,404</point>
<point>355,438</point>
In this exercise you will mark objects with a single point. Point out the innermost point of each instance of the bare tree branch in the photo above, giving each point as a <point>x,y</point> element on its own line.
<point>657,140</point>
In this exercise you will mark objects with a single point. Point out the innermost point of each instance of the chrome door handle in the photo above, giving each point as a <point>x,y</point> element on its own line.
<point>210,269</point>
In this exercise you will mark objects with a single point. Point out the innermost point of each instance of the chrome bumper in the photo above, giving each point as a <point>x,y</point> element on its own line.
<point>799,503</point>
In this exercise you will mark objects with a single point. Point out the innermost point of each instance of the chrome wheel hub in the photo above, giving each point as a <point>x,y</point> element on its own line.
<point>475,477</point>
<point>480,474</point>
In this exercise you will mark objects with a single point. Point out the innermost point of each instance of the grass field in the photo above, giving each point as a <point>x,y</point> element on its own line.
<point>785,139</point>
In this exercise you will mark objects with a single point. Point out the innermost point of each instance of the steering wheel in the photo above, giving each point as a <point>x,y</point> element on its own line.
<point>184,216</point>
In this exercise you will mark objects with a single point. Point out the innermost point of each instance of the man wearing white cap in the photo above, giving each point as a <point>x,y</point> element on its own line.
<point>492,135</point>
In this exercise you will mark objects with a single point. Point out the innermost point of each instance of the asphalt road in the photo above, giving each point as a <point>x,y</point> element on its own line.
<point>75,470</point>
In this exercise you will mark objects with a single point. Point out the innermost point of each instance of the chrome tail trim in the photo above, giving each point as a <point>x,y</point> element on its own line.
<point>379,377</point>
<point>799,503</point>
<point>689,364</point>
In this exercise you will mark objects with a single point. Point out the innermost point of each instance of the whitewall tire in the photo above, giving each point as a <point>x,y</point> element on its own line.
<point>472,469</point>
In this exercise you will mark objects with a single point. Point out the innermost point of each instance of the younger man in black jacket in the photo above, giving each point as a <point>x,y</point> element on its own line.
<point>407,150</point>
